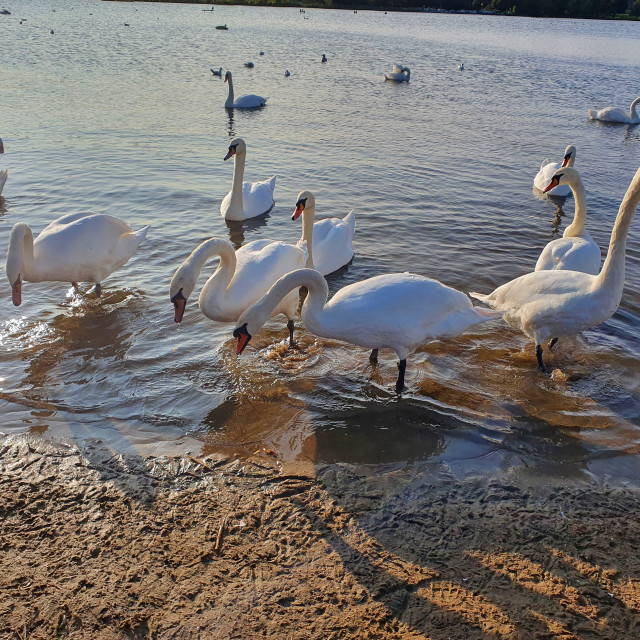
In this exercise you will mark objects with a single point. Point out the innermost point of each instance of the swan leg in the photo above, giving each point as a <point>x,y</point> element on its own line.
<point>402,365</point>
<point>374,356</point>
<point>552,343</point>
<point>98,289</point>
<point>539,357</point>
<point>75,286</point>
<point>291,327</point>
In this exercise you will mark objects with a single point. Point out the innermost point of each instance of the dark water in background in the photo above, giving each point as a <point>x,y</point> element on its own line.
<point>129,121</point>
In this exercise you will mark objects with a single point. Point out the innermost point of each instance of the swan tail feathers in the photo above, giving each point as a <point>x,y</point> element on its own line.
<point>593,114</point>
<point>141,234</point>
<point>350,219</point>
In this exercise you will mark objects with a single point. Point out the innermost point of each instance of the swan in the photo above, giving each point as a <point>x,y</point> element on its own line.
<point>246,199</point>
<point>218,72</point>
<point>400,311</point>
<point>549,304</point>
<point>547,169</point>
<point>399,73</point>
<point>328,241</point>
<point>74,248</point>
<point>576,250</point>
<point>241,278</point>
<point>250,101</point>
<point>613,114</point>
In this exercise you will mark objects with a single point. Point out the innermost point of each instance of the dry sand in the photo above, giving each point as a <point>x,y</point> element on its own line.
<point>97,546</point>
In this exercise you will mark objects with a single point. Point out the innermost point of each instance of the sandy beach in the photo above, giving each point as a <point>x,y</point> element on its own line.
<point>95,545</point>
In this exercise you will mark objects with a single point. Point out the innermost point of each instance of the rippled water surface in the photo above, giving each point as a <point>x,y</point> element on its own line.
<point>128,120</point>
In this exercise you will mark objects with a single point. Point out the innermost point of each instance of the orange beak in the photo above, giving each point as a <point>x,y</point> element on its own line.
<point>566,159</point>
<point>243,339</point>
<point>298,211</point>
<point>232,152</point>
<point>16,293</point>
<point>554,183</point>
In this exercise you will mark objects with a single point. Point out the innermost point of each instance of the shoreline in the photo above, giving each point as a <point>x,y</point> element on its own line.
<point>100,546</point>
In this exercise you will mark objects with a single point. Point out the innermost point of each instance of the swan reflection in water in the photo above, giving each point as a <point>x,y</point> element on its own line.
<point>237,228</point>
<point>232,130</point>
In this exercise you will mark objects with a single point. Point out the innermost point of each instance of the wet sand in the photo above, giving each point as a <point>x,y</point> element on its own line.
<point>96,545</point>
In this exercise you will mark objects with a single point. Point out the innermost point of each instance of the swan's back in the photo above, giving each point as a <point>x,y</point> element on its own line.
<point>332,246</point>
<point>249,101</point>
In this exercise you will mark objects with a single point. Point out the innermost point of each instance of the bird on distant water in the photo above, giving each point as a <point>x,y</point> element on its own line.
<point>287,73</point>
<point>324,58</point>
<point>217,73</point>
<point>249,65</point>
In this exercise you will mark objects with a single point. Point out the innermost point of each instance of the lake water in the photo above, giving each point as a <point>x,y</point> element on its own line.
<point>128,120</point>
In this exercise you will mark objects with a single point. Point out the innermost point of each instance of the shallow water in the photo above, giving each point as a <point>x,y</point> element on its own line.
<point>129,121</point>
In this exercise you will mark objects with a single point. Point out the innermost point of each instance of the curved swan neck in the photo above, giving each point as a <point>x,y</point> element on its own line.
<point>308,218</point>
<point>236,202</point>
<point>312,308</point>
<point>20,260</point>
<point>632,111</point>
<point>576,228</point>
<point>612,275</point>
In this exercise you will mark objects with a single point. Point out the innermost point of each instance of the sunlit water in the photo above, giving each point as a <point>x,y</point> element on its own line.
<point>128,120</point>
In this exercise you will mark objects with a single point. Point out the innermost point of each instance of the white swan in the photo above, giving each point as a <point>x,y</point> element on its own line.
<point>241,278</point>
<point>218,72</point>
<point>328,241</point>
<point>399,311</point>
<point>613,114</point>
<point>249,101</point>
<point>547,169</point>
<point>551,304</point>
<point>399,73</point>
<point>576,250</point>
<point>246,199</point>
<point>74,248</point>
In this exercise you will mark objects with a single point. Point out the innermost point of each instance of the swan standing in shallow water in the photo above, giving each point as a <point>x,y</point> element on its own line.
<point>249,101</point>
<point>399,311</point>
<point>241,278</point>
<point>576,250</point>
<point>547,169</point>
<point>552,304</point>
<point>246,199</point>
<point>74,248</point>
<point>613,114</point>
<point>328,241</point>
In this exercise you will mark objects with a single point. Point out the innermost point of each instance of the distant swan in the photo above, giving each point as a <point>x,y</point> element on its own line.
<point>328,241</point>
<point>74,248</point>
<point>551,304</point>
<point>219,71</point>
<point>241,278</point>
<point>399,73</point>
<point>576,250</point>
<point>613,114</point>
<point>399,311</point>
<point>547,169</point>
<point>249,101</point>
<point>246,199</point>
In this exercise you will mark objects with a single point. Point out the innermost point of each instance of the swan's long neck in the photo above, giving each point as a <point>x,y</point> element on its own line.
<point>576,228</point>
<point>218,283</point>
<point>632,111</point>
<point>611,277</point>
<point>308,218</point>
<point>236,203</point>
<point>312,309</point>
<point>20,260</point>
<point>230,97</point>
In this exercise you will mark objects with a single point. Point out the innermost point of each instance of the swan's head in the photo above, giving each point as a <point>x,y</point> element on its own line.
<point>252,320</point>
<point>305,201</point>
<point>15,260</point>
<point>182,285</point>
<point>237,147</point>
<point>564,175</point>
<point>241,333</point>
<point>227,76</point>
<point>569,156</point>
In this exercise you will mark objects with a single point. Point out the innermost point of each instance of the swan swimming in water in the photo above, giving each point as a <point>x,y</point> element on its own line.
<point>552,304</point>
<point>547,169</point>
<point>241,278</point>
<point>576,250</point>
<point>328,241</point>
<point>246,199</point>
<point>74,248</point>
<point>398,73</point>
<point>613,114</point>
<point>249,101</point>
<point>399,311</point>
